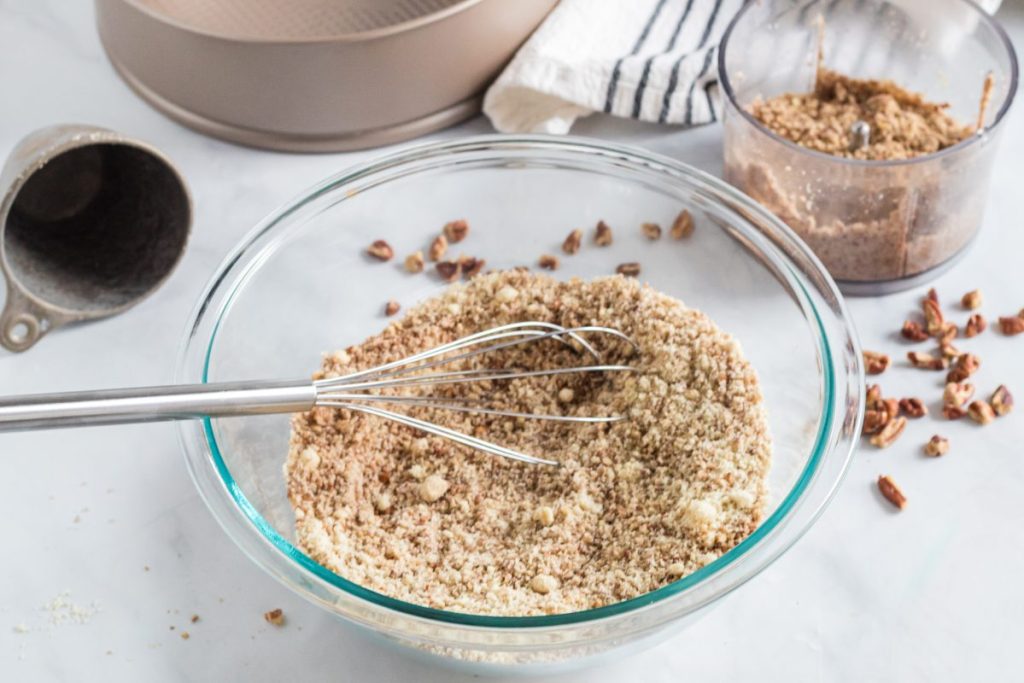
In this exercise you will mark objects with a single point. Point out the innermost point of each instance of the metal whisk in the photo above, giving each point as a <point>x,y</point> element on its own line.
<point>358,391</point>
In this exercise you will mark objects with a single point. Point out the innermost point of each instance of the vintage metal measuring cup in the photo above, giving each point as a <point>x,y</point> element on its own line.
<point>91,222</point>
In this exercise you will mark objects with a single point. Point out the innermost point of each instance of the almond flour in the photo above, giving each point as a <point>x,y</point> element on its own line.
<point>634,505</point>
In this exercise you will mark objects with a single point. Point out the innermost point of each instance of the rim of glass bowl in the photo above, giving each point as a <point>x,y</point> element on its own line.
<point>245,258</point>
<point>985,18</point>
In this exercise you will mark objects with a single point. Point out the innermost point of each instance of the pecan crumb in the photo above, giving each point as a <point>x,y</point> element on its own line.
<point>448,270</point>
<point>927,361</point>
<point>1001,401</point>
<point>981,412</point>
<point>682,227</point>
<point>572,242</point>
<point>936,446</point>
<point>971,300</point>
<point>456,231</point>
<point>651,231</point>
<point>438,247</point>
<point>602,234</point>
<point>976,324</point>
<point>185,635</point>
<point>913,407</point>
<point>875,363</point>
<point>380,250</point>
<point>628,269</point>
<point>195,618</point>
<point>414,262</point>
<point>1011,325</point>
<point>913,331</point>
<point>890,432</point>
<point>392,307</point>
<point>275,617</point>
<point>548,262</point>
<point>891,492</point>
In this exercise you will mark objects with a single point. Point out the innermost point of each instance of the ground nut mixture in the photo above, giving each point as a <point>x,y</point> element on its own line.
<point>635,504</point>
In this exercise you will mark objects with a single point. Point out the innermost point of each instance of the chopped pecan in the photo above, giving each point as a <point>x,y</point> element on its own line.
<point>602,234</point>
<point>953,412</point>
<point>927,361</point>
<point>875,363</point>
<point>572,242</point>
<point>890,432</point>
<point>981,412</point>
<point>651,231</point>
<point>964,366</point>
<point>936,446</point>
<point>913,331</point>
<point>456,231</point>
<point>932,295</point>
<point>949,351</point>
<point>391,307</point>
<point>414,262</point>
<point>548,262</point>
<point>975,325</point>
<point>950,331</point>
<point>628,269</point>
<point>891,492</point>
<point>874,420</point>
<point>1011,324</point>
<point>873,395</point>
<point>471,266</point>
<point>448,270</point>
<point>1001,401</point>
<point>971,300</point>
<point>934,321</point>
<point>913,407</point>
<point>380,250</point>
<point>682,226</point>
<point>957,393</point>
<point>438,247</point>
<point>275,617</point>
<point>891,407</point>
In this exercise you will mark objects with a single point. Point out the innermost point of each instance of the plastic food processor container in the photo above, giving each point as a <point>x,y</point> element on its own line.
<point>300,284</point>
<point>878,226</point>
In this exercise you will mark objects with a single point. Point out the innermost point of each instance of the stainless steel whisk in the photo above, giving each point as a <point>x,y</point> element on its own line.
<point>358,391</point>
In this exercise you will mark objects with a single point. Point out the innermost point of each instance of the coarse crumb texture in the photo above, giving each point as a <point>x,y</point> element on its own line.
<point>903,124</point>
<point>634,505</point>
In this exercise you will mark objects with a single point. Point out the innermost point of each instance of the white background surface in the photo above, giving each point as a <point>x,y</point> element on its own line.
<point>932,593</point>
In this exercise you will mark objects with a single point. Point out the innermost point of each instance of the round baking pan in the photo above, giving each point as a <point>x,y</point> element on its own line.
<point>314,75</point>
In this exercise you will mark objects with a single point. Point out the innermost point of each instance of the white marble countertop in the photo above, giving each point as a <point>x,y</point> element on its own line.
<point>109,519</point>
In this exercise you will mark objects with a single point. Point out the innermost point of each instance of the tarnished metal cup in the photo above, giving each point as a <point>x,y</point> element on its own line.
<point>91,222</point>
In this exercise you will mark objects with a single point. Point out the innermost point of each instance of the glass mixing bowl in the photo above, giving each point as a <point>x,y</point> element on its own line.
<point>300,284</point>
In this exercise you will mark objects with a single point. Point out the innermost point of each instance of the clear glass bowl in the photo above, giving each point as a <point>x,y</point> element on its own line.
<point>300,284</point>
<point>879,226</point>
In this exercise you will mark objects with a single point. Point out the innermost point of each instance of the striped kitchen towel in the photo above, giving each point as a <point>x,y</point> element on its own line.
<point>653,60</point>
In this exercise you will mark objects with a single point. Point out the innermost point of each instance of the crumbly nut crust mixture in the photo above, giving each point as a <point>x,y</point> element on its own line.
<point>635,504</point>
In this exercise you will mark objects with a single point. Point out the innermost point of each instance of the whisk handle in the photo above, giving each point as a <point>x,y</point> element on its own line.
<point>151,404</point>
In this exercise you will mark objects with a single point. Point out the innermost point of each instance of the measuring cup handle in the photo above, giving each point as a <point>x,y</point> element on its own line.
<point>22,323</point>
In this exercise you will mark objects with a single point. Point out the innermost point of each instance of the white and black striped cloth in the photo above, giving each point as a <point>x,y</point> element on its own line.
<point>653,60</point>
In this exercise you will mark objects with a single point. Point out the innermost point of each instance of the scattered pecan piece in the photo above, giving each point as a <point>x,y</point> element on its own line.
<point>890,432</point>
<point>874,420</point>
<point>953,412</point>
<point>927,361</point>
<point>891,407</point>
<point>875,363</point>
<point>949,351</point>
<point>981,412</point>
<point>628,269</point>
<point>891,492</point>
<point>932,295</point>
<point>913,407</point>
<point>682,226</point>
<point>934,321</point>
<point>380,250</point>
<point>1011,325</point>
<point>602,234</point>
<point>548,262</point>
<point>971,300</point>
<point>275,617</point>
<point>913,331</point>
<point>950,331</point>
<point>438,247</point>
<point>414,262</point>
<point>957,393</point>
<point>448,270</point>
<point>651,231</point>
<point>873,395</point>
<point>471,266</point>
<point>936,446</point>
<point>391,307</point>
<point>975,325</point>
<point>456,231</point>
<point>572,242</point>
<point>964,366</point>
<point>1001,401</point>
